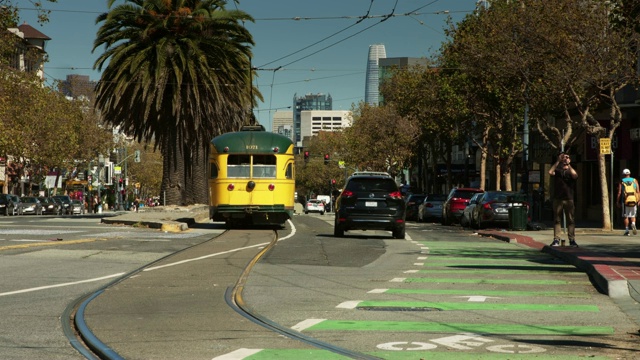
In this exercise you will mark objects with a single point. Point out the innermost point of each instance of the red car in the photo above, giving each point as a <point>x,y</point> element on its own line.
<point>457,200</point>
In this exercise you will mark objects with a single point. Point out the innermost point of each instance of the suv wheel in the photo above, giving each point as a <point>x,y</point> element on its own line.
<point>399,233</point>
<point>338,230</point>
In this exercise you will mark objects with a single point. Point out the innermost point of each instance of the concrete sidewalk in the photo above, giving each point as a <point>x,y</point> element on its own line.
<point>165,218</point>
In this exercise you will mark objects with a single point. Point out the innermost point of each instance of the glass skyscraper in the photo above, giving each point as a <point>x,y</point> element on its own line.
<point>307,102</point>
<point>371,92</point>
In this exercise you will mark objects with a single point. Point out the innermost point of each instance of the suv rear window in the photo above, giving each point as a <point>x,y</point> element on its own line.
<point>373,184</point>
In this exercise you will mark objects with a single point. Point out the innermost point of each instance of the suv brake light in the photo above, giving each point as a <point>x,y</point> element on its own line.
<point>396,195</point>
<point>347,193</point>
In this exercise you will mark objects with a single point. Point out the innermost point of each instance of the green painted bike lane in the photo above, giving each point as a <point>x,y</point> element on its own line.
<point>502,279</point>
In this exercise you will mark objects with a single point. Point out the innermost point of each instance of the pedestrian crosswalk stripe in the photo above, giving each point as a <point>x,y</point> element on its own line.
<point>417,326</point>
<point>495,281</point>
<point>573,271</point>
<point>453,306</point>
<point>481,292</point>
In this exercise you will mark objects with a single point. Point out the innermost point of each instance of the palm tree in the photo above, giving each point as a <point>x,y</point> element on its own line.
<point>177,74</point>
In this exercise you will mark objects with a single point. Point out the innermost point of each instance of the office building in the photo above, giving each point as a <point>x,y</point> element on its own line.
<point>307,102</point>
<point>376,52</point>
<point>314,121</point>
<point>283,123</point>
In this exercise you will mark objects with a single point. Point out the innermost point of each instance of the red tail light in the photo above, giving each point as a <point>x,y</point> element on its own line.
<point>488,205</point>
<point>429,205</point>
<point>396,195</point>
<point>271,187</point>
<point>230,187</point>
<point>347,193</point>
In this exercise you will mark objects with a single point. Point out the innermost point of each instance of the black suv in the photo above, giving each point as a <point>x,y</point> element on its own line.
<point>66,204</point>
<point>10,205</point>
<point>370,201</point>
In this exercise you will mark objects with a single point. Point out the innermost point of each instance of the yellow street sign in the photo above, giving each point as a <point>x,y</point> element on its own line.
<point>605,146</point>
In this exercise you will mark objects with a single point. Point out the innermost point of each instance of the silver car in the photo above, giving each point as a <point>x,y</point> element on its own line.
<point>31,205</point>
<point>314,206</point>
<point>431,207</point>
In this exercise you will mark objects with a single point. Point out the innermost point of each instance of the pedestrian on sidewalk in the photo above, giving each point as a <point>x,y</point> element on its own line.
<point>564,181</point>
<point>628,190</point>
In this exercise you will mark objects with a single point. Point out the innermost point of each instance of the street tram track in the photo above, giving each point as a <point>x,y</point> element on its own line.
<point>90,346</point>
<point>234,299</point>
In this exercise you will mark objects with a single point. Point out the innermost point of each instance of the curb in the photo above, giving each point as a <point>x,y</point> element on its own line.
<point>169,226</point>
<point>177,225</point>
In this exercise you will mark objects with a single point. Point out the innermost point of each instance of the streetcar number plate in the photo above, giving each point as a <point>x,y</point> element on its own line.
<point>371,203</point>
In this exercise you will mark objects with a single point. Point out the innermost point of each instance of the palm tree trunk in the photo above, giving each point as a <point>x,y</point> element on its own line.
<point>173,166</point>
<point>196,177</point>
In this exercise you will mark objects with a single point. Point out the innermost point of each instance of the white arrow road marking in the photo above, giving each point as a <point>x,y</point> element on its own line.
<point>398,280</point>
<point>422,258</point>
<point>411,271</point>
<point>418,264</point>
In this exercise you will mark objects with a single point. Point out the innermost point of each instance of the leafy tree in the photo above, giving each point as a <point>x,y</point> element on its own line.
<point>428,96</point>
<point>380,139</point>
<point>176,73</point>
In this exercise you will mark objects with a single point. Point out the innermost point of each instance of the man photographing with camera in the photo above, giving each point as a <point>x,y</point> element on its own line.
<point>563,194</point>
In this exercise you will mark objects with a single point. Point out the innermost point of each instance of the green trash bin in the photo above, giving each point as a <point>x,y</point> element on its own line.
<point>518,212</point>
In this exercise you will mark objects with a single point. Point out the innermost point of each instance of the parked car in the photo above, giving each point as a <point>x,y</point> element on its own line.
<point>66,203</point>
<point>431,207</point>
<point>7,205</point>
<point>77,207</point>
<point>493,208</point>
<point>413,201</point>
<point>457,200</point>
<point>370,201</point>
<point>314,205</point>
<point>50,206</point>
<point>31,205</point>
<point>17,204</point>
<point>468,212</point>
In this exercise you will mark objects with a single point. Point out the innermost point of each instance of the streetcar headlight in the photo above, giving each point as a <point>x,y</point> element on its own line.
<point>251,185</point>
<point>230,187</point>
<point>276,149</point>
<point>271,187</point>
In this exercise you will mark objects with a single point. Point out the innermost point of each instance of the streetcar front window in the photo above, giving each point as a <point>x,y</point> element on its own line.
<point>264,166</point>
<point>238,166</point>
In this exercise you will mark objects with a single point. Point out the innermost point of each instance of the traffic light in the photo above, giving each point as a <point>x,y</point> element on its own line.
<point>137,156</point>
<point>333,182</point>
<point>306,156</point>
<point>326,159</point>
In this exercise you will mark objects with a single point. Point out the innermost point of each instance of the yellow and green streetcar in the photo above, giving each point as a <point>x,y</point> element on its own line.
<point>251,179</point>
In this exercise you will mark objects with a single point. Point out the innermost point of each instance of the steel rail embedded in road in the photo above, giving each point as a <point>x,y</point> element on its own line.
<point>74,324</point>
<point>234,299</point>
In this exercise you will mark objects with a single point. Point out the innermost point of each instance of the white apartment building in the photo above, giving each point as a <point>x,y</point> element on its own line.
<point>314,121</point>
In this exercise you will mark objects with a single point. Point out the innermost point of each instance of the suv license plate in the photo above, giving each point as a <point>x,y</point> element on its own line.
<point>371,204</point>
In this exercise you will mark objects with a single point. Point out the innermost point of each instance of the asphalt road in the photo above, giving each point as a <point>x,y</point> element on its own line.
<point>47,262</point>
<point>441,293</point>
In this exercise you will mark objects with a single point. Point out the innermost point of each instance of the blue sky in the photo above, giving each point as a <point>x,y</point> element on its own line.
<point>325,51</point>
